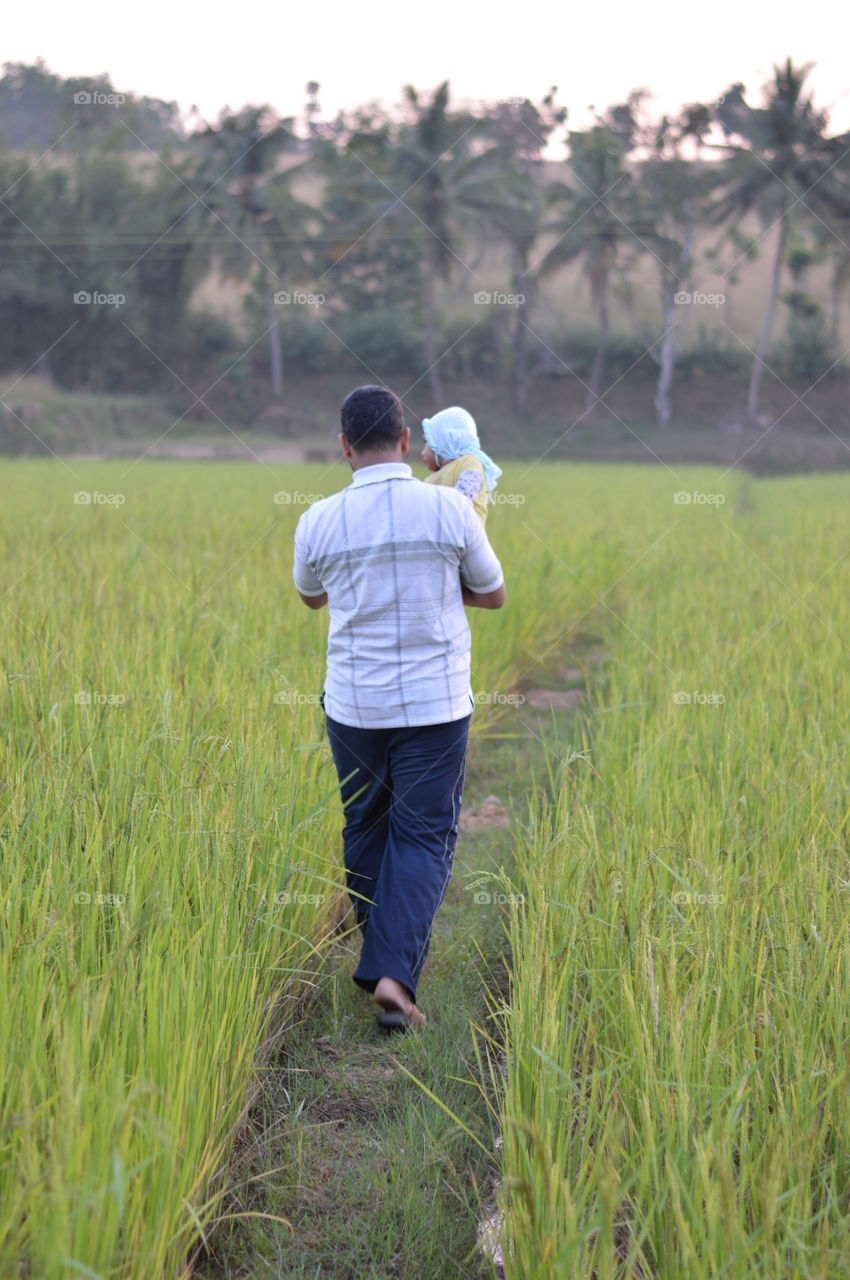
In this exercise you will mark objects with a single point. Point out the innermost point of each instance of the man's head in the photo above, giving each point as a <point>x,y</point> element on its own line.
<point>373,427</point>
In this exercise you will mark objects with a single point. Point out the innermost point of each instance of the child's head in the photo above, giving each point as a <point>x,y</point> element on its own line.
<point>448,435</point>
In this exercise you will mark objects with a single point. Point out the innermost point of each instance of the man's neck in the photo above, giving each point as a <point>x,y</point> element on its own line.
<point>360,460</point>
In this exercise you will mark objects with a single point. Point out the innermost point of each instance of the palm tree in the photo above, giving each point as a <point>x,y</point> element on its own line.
<point>671,194</point>
<point>592,220</point>
<point>515,205</point>
<point>418,181</point>
<point>779,160</point>
<point>422,162</point>
<point>519,217</point>
<point>256,221</point>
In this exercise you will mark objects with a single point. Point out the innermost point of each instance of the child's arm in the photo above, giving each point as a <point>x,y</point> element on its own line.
<point>469,483</point>
<point>472,485</point>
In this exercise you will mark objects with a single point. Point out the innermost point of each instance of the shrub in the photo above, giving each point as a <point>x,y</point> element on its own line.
<point>385,339</point>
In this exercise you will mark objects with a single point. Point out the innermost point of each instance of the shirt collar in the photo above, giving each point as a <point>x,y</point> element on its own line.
<point>382,471</point>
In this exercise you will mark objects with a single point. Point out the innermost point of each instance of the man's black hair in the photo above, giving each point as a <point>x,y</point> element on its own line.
<point>372,418</point>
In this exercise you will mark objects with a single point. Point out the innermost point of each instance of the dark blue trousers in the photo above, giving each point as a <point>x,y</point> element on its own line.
<point>402,791</point>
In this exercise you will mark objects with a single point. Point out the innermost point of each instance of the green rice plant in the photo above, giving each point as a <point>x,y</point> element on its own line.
<point>169,828</point>
<point>677,1033</point>
<point>168,834</point>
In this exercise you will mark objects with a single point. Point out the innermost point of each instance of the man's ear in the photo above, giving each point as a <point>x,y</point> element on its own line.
<point>405,439</point>
<point>345,444</point>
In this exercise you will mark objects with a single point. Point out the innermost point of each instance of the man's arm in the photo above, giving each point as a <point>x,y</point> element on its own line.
<point>307,583</point>
<point>482,583</point>
<point>314,602</point>
<point>483,599</point>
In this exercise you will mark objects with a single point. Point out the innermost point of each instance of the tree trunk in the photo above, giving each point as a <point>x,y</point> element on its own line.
<point>431,361</point>
<point>764,338</point>
<point>522,288</point>
<point>275,353</point>
<point>669,345</point>
<point>835,297</point>
<point>596,371</point>
<point>663,406</point>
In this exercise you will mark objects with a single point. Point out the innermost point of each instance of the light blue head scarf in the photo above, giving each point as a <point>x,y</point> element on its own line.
<point>452,433</point>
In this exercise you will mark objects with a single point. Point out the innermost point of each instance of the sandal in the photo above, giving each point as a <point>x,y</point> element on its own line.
<point>395,1020</point>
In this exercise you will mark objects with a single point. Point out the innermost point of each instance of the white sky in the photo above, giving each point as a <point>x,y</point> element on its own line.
<point>221,54</point>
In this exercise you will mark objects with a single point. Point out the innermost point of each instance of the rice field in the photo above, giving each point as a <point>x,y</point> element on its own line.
<point>676,1032</point>
<point>169,827</point>
<point>677,1100</point>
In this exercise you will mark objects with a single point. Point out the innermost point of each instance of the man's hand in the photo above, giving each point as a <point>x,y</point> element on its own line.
<point>487,600</point>
<point>315,602</point>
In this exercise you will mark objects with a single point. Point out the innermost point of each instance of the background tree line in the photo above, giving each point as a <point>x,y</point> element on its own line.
<point>347,238</point>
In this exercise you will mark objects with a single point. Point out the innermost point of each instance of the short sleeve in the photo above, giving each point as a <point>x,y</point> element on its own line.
<point>479,567</point>
<point>303,574</point>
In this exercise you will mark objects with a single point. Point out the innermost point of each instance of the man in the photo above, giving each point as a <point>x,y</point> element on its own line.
<point>395,560</point>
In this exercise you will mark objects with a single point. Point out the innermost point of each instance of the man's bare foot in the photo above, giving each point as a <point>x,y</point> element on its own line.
<point>392,997</point>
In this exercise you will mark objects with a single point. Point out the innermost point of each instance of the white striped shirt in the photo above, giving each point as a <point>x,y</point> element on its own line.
<point>391,552</point>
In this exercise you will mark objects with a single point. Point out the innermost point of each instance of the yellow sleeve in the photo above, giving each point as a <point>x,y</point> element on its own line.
<point>450,474</point>
<point>480,499</point>
<point>447,475</point>
<point>481,502</point>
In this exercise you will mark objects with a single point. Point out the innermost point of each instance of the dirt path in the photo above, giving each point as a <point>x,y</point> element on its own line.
<point>347,1141</point>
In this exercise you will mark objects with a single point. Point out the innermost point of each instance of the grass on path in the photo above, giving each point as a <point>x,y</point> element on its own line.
<point>374,1177</point>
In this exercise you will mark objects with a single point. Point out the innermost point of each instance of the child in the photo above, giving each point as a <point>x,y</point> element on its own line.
<point>455,457</point>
